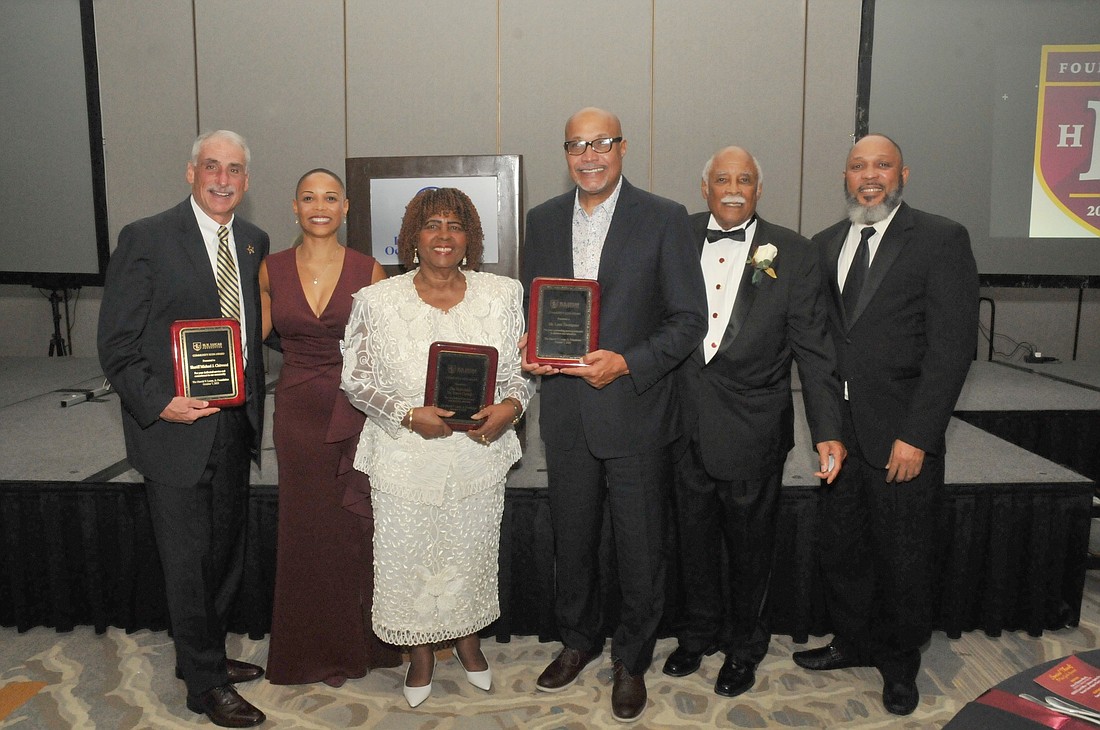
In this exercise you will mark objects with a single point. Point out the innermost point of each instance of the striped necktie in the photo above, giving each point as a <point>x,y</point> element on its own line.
<point>229,288</point>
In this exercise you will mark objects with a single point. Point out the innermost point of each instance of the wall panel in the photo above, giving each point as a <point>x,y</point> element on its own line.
<point>147,97</point>
<point>559,57</point>
<point>729,73</point>
<point>147,101</point>
<point>422,78</point>
<point>273,70</point>
<point>832,49</point>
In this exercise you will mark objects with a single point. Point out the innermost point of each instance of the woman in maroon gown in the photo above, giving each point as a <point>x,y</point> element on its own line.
<point>320,627</point>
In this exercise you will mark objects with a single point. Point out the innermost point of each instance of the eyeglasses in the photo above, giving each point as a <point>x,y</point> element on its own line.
<point>602,145</point>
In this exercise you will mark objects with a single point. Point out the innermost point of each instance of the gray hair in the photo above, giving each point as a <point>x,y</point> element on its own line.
<point>225,134</point>
<point>756,163</point>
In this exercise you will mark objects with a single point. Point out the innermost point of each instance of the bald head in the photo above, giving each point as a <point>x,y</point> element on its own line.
<point>591,114</point>
<point>595,173</point>
<point>876,141</point>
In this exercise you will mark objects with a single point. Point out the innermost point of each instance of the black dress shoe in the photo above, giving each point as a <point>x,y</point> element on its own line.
<point>628,695</point>
<point>735,677</point>
<point>237,671</point>
<point>900,698</point>
<point>564,670</point>
<point>830,656</point>
<point>683,662</point>
<point>225,707</point>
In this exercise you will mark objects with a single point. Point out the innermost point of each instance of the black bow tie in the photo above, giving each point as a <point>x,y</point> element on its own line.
<point>716,235</point>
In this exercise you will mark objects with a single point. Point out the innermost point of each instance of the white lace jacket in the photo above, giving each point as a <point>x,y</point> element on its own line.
<point>385,367</point>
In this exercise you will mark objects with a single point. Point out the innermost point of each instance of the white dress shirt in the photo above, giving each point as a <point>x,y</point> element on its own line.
<point>723,263</point>
<point>848,250</point>
<point>209,229</point>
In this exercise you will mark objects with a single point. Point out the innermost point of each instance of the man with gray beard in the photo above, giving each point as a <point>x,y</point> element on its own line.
<point>902,289</point>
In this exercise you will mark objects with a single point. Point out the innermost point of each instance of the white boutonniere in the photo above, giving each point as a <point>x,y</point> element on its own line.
<point>762,260</point>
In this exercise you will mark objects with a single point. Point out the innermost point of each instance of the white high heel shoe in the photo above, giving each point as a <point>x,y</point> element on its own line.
<point>415,696</point>
<point>481,680</point>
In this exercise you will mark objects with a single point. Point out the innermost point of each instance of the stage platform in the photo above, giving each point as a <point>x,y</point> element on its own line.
<point>40,440</point>
<point>1086,375</point>
<point>78,549</point>
<point>1050,409</point>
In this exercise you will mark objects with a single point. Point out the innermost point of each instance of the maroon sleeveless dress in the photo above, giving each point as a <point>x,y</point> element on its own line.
<point>324,573</point>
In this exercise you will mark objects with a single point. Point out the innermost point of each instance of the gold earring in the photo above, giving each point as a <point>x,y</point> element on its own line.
<point>416,256</point>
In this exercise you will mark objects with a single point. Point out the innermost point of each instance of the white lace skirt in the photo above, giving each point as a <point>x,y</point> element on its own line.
<point>435,568</point>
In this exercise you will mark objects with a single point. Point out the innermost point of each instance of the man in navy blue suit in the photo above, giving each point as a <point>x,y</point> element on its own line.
<point>194,458</point>
<point>608,425</point>
<point>902,287</point>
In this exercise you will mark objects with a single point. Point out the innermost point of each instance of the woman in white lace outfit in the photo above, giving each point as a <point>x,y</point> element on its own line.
<point>438,494</point>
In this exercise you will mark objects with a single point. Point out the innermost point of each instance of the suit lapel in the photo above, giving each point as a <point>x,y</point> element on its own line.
<point>558,245</point>
<point>192,243</point>
<point>247,265</point>
<point>246,257</point>
<point>565,241</point>
<point>746,292</point>
<point>832,258</point>
<point>699,230</point>
<point>618,234</point>
<point>891,245</point>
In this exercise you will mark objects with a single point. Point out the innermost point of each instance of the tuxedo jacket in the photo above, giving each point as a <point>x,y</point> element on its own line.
<point>651,312</point>
<point>739,407</point>
<point>905,351</point>
<point>159,273</point>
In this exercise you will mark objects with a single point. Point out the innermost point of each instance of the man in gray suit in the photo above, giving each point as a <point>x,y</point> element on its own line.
<point>767,311</point>
<point>194,457</point>
<point>608,425</point>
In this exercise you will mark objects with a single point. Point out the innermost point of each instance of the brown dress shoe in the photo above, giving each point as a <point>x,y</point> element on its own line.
<point>565,669</point>
<point>225,707</point>
<point>628,695</point>
<point>237,671</point>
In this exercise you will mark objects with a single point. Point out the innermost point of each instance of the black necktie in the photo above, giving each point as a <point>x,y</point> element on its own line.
<point>717,235</point>
<point>857,272</point>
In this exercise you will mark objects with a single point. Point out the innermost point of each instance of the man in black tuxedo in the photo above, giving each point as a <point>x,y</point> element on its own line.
<point>902,288</point>
<point>195,458</point>
<point>608,425</point>
<point>766,311</point>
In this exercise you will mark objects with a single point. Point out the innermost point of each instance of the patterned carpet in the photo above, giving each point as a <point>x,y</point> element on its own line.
<point>51,681</point>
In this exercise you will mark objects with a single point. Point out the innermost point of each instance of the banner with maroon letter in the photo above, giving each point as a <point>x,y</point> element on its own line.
<point>1065,200</point>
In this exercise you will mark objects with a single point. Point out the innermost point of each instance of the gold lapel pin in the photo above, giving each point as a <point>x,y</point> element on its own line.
<point>251,250</point>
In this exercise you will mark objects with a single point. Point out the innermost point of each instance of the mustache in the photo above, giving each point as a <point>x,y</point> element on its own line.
<point>734,198</point>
